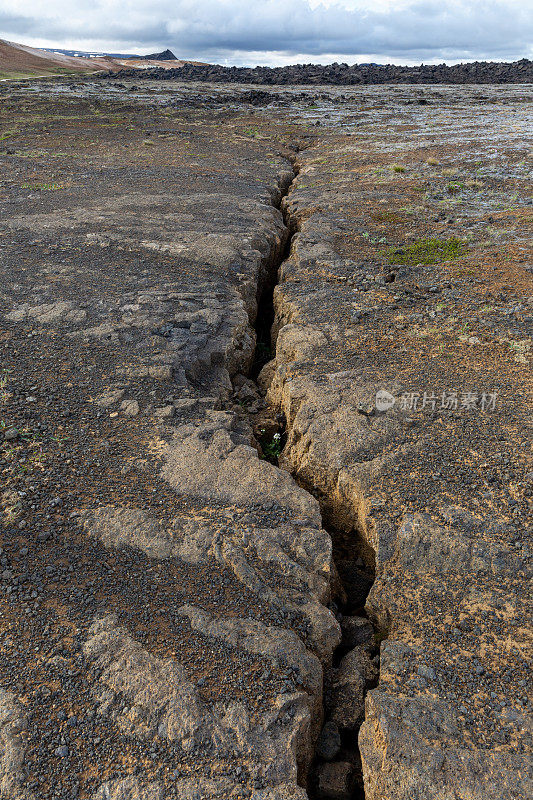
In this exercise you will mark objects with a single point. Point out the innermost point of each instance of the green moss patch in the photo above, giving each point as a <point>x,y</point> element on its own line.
<point>427,251</point>
<point>43,187</point>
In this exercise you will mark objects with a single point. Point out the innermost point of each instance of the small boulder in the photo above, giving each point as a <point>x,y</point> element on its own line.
<point>130,407</point>
<point>357,631</point>
<point>357,661</point>
<point>265,377</point>
<point>165,412</point>
<point>109,398</point>
<point>335,781</point>
<point>356,672</point>
<point>247,393</point>
<point>329,742</point>
<point>348,702</point>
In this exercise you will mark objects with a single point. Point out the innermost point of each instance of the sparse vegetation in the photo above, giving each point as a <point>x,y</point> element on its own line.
<point>42,187</point>
<point>398,168</point>
<point>374,239</point>
<point>272,448</point>
<point>387,216</point>
<point>427,251</point>
<point>454,187</point>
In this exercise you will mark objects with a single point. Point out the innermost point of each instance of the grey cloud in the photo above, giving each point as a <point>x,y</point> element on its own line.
<point>220,30</point>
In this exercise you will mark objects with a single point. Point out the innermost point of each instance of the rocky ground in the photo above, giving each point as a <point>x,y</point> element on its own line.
<point>243,565</point>
<point>350,75</point>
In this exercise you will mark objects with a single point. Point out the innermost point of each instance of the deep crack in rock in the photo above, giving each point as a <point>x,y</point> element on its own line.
<point>355,666</point>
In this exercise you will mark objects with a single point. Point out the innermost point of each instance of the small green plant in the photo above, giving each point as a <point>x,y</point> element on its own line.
<point>42,187</point>
<point>427,251</point>
<point>454,187</point>
<point>272,449</point>
<point>29,436</point>
<point>374,239</point>
<point>398,168</point>
<point>387,216</point>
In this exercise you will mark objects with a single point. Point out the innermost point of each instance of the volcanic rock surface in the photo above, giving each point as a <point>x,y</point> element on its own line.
<point>352,75</point>
<point>264,541</point>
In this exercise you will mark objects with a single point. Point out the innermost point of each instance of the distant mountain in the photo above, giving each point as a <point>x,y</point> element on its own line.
<point>21,61</point>
<point>166,55</point>
<point>88,53</point>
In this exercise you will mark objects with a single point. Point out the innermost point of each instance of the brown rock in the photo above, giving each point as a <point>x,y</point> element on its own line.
<point>357,631</point>
<point>329,742</point>
<point>130,407</point>
<point>335,781</point>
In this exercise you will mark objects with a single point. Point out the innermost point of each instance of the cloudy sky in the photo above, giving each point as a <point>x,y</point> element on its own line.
<point>280,31</point>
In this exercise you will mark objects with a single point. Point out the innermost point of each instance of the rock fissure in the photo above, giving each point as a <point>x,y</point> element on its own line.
<point>336,771</point>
